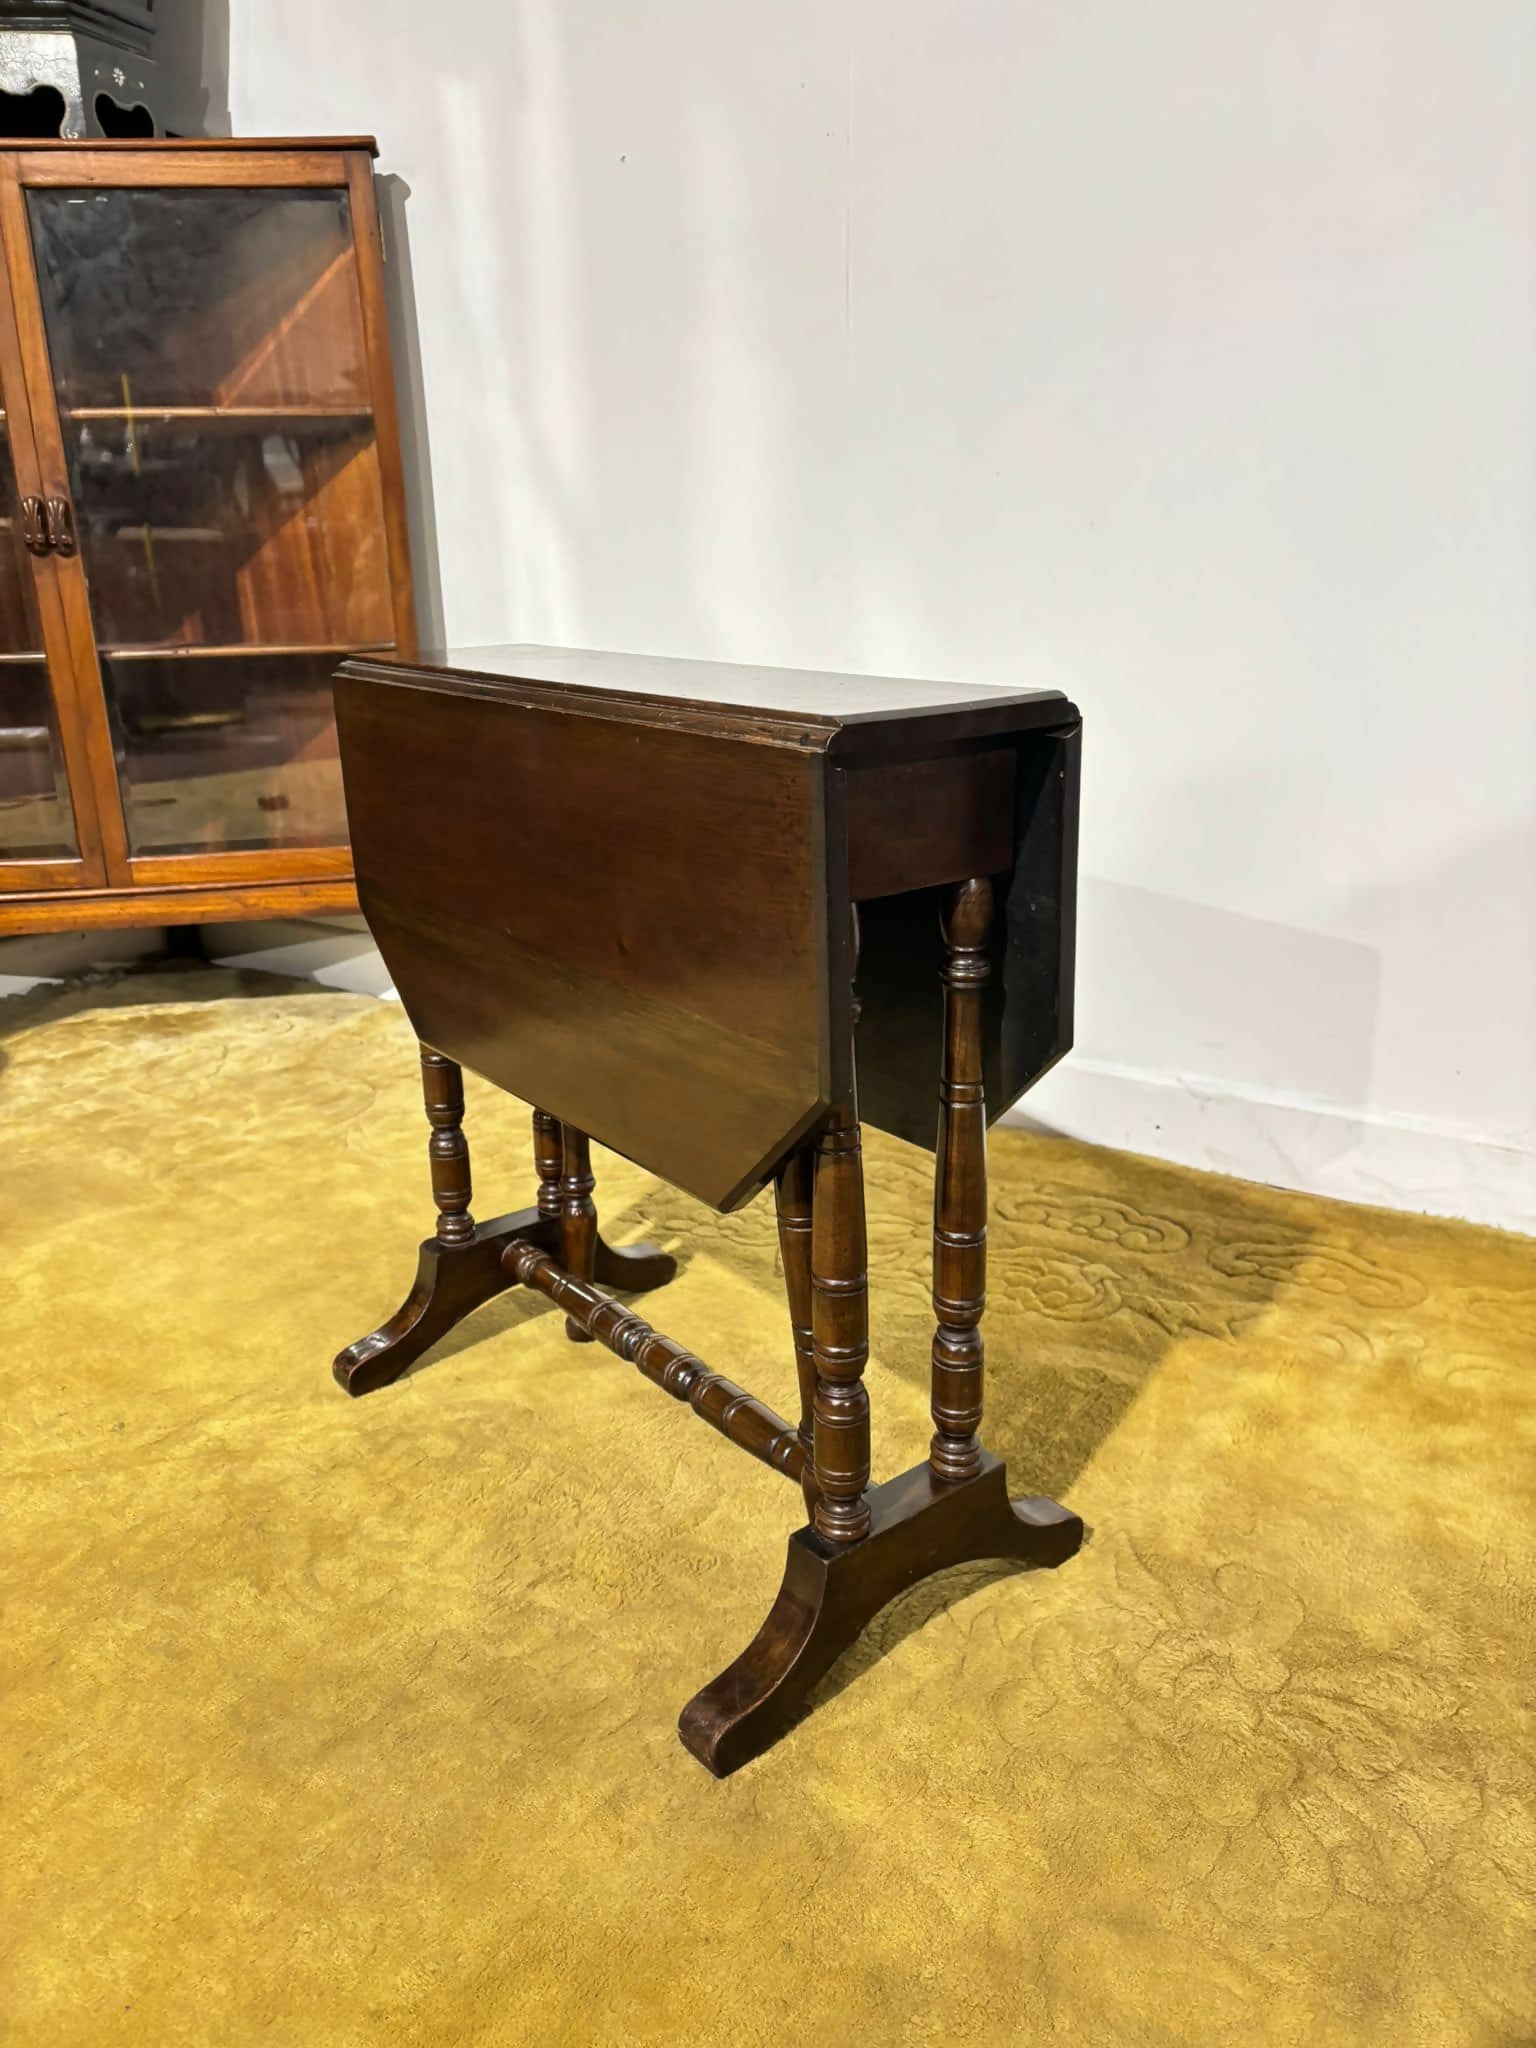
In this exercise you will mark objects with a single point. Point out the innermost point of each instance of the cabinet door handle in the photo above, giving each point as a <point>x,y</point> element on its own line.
<point>34,526</point>
<point>59,526</point>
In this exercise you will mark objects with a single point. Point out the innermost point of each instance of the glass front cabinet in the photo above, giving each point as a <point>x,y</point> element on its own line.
<point>201,513</point>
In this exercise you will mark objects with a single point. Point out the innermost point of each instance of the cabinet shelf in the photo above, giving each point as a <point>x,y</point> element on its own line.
<point>236,415</point>
<point>243,650</point>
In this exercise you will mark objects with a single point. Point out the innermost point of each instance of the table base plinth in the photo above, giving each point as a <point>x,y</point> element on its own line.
<point>452,1280</point>
<point>919,1525</point>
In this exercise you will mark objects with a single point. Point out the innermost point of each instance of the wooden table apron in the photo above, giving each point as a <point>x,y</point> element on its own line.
<point>663,900</point>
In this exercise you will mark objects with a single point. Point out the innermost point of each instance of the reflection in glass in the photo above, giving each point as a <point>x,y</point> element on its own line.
<point>187,296</point>
<point>35,817</point>
<point>198,533</point>
<point>209,355</point>
<point>219,753</point>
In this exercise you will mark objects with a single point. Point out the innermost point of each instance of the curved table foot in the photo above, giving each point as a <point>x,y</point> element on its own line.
<point>830,1594</point>
<point>452,1280</point>
<point>632,1268</point>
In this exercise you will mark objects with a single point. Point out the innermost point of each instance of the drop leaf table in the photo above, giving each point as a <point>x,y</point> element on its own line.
<point>665,900</point>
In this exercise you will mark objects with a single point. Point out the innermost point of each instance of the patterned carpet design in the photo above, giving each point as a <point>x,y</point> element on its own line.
<point>332,1724</point>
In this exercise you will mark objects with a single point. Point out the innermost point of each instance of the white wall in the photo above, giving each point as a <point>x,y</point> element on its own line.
<point>1182,356</point>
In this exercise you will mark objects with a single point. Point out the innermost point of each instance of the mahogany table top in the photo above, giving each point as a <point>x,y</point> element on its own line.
<point>623,887</point>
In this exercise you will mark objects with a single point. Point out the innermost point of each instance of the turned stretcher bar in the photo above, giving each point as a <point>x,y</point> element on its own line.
<point>739,1416</point>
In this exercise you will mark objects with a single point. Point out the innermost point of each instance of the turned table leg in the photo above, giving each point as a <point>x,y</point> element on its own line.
<point>960,1193</point>
<point>865,1545</point>
<point>631,1268</point>
<point>792,1192</point>
<point>548,1161</point>
<point>840,1332</point>
<point>460,1266</point>
<point>442,1086</point>
<point>578,1217</point>
<point>840,1316</point>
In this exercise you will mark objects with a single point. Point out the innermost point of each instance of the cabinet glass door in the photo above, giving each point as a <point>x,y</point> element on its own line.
<point>208,355</point>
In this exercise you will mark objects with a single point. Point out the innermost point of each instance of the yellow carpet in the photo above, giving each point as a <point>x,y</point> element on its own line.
<point>333,1722</point>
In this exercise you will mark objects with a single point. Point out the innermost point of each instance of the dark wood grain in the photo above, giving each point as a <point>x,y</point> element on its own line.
<point>655,941</point>
<point>649,941</point>
<point>936,819</point>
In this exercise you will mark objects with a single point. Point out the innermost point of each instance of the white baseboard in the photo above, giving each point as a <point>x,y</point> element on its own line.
<point>336,952</point>
<point>1315,1148</point>
<point>45,958</point>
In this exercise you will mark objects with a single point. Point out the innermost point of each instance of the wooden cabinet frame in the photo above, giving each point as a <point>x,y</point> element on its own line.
<point>107,884</point>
